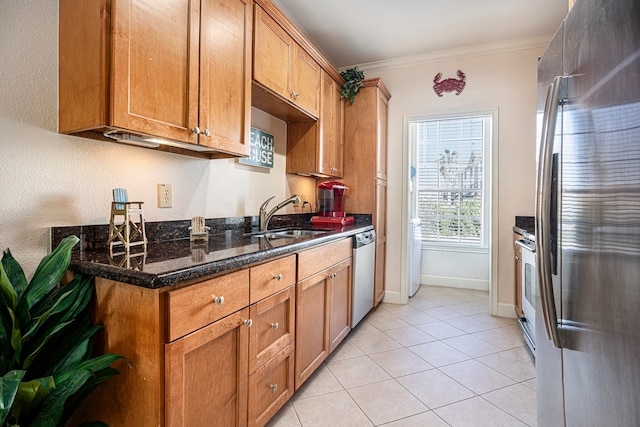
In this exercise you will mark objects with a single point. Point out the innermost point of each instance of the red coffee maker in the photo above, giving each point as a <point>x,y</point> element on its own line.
<point>330,204</point>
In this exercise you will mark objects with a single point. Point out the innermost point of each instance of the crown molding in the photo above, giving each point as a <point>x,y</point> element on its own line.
<point>456,53</point>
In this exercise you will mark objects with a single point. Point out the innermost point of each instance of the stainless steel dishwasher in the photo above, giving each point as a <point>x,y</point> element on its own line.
<point>364,258</point>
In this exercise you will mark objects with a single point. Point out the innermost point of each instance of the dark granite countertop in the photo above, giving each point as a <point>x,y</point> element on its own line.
<point>177,260</point>
<point>526,227</point>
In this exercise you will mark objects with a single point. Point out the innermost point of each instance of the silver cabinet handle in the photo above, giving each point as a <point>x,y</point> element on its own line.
<point>248,323</point>
<point>273,387</point>
<point>205,132</point>
<point>277,277</point>
<point>218,300</point>
<point>196,130</point>
<point>275,326</point>
<point>295,94</point>
<point>543,212</point>
<point>332,275</point>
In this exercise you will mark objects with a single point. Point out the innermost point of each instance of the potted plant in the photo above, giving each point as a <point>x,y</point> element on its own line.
<point>352,83</point>
<point>46,341</point>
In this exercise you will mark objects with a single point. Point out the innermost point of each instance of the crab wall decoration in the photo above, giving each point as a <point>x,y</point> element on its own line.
<point>450,84</point>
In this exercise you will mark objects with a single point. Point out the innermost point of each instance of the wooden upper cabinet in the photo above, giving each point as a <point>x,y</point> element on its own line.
<point>282,66</point>
<point>171,70</point>
<point>316,148</point>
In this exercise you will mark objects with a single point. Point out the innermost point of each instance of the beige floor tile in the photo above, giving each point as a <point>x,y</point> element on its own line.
<point>471,308</point>
<point>471,346</point>
<point>530,384</point>
<point>346,350</point>
<point>321,382</point>
<point>438,354</point>
<point>476,412</point>
<point>434,388</point>
<point>422,303</point>
<point>425,419</point>
<point>411,315</point>
<point>400,362</point>
<point>480,322</point>
<point>517,400</point>
<point>506,338</point>
<point>383,320</point>
<point>442,313</point>
<point>386,401</point>
<point>357,371</point>
<point>512,363</point>
<point>335,409</point>
<point>409,335</point>
<point>477,377</point>
<point>286,417</point>
<point>374,342</point>
<point>440,330</point>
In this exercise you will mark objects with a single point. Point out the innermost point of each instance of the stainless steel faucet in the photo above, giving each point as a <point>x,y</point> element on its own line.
<point>265,217</point>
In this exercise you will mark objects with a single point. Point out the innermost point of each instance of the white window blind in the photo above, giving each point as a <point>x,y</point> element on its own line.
<point>450,159</point>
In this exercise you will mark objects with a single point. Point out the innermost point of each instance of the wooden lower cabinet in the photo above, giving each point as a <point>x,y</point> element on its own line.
<point>226,351</point>
<point>206,375</point>
<point>323,305</point>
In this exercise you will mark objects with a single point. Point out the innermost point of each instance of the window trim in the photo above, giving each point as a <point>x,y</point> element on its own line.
<point>490,141</point>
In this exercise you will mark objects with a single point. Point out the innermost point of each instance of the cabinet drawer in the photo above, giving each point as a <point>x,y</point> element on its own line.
<point>270,387</point>
<point>195,306</point>
<point>322,257</point>
<point>273,326</point>
<point>271,277</point>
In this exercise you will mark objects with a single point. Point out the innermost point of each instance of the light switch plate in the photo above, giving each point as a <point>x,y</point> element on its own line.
<point>165,198</point>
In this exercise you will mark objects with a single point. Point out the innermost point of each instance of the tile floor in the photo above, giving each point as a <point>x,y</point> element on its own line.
<point>440,360</point>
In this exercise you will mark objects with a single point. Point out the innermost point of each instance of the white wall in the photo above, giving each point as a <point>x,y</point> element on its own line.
<point>48,179</point>
<point>506,81</point>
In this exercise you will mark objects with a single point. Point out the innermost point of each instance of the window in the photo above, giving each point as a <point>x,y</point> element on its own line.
<point>451,198</point>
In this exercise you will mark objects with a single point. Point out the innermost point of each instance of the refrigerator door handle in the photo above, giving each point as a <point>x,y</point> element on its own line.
<point>543,212</point>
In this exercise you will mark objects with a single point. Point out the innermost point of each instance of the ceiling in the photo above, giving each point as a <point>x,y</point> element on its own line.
<point>359,32</point>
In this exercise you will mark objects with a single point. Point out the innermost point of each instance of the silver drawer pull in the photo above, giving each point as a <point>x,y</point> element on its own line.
<point>273,387</point>
<point>275,326</point>
<point>218,300</point>
<point>196,130</point>
<point>277,277</point>
<point>248,323</point>
<point>332,275</point>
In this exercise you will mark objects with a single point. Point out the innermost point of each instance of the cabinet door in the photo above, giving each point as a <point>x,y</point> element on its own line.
<point>270,387</point>
<point>206,375</point>
<point>339,300</point>
<point>312,335</point>
<point>154,67</point>
<point>330,144</point>
<point>225,75</point>
<point>305,81</point>
<point>517,274</point>
<point>381,149</point>
<point>272,55</point>
<point>380,224</point>
<point>273,326</point>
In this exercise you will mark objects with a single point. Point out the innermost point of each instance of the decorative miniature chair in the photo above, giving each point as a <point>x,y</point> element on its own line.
<point>128,232</point>
<point>198,231</point>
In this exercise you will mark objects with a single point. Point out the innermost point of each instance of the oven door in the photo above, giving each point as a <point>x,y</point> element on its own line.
<point>528,294</point>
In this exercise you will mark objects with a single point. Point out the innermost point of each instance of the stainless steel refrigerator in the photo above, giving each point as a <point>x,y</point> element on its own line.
<point>588,219</point>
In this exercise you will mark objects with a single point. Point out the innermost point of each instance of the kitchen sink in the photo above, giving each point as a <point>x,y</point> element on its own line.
<point>295,234</point>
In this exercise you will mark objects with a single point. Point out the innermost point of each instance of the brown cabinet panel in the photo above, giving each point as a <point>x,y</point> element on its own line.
<point>312,335</point>
<point>305,81</point>
<point>322,257</point>
<point>193,307</point>
<point>339,300</point>
<point>365,151</point>
<point>273,52</point>
<point>273,326</point>
<point>271,386</point>
<point>206,375</point>
<point>268,278</point>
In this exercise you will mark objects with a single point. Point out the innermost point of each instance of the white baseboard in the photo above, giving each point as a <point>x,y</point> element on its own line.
<point>392,297</point>
<point>506,310</point>
<point>455,282</point>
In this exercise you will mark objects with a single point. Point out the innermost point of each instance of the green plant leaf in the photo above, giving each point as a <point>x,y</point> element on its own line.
<point>43,342</point>
<point>14,272</point>
<point>6,289</point>
<point>9,384</point>
<point>47,277</point>
<point>30,396</point>
<point>77,353</point>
